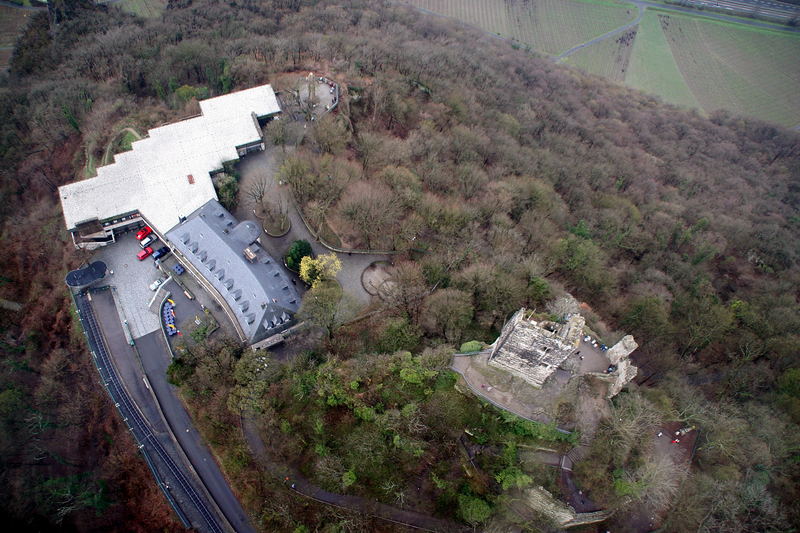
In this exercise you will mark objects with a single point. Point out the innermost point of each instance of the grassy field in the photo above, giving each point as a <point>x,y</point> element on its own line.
<point>653,68</point>
<point>143,8</point>
<point>549,26</point>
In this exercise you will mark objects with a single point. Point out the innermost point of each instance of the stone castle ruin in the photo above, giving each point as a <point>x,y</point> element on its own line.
<point>533,350</point>
<point>625,371</point>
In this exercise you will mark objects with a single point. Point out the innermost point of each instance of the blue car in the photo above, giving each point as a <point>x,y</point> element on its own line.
<point>161,252</point>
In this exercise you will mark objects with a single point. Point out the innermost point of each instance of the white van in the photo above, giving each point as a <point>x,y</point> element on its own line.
<point>147,241</point>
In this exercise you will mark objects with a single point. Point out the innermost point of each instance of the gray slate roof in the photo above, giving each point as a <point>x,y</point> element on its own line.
<point>260,293</point>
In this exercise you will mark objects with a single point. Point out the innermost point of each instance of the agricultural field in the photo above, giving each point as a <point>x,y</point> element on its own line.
<point>143,8</point>
<point>653,68</point>
<point>749,71</point>
<point>608,58</point>
<point>547,26</point>
<point>687,60</point>
<point>703,63</point>
<point>12,22</point>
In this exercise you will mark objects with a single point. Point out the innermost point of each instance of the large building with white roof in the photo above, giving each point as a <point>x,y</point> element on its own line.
<point>167,176</point>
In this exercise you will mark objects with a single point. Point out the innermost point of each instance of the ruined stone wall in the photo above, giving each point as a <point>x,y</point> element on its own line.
<point>622,349</point>
<point>539,499</point>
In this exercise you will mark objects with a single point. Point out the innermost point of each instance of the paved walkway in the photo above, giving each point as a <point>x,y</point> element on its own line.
<point>266,164</point>
<point>369,507</point>
<point>131,279</point>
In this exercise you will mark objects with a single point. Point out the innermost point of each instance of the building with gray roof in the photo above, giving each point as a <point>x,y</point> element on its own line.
<point>223,254</point>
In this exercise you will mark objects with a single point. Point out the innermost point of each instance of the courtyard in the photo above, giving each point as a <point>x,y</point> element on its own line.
<point>562,398</point>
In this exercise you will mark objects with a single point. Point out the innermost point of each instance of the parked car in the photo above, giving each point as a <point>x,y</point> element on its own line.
<point>144,232</point>
<point>147,241</point>
<point>161,252</point>
<point>144,254</point>
<point>157,283</point>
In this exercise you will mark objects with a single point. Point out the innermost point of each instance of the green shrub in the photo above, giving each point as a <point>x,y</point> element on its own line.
<point>399,335</point>
<point>227,191</point>
<point>471,346</point>
<point>473,510</point>
<point>178,372</point>
<point>295,254</point>
<point>348,478</point>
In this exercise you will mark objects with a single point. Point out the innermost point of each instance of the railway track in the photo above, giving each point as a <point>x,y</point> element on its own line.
<point>761,7</point>
<point>131,414</point>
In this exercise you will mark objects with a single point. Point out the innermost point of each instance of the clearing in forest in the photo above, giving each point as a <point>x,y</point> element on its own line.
<point>143,8</point>
<point>548,26</point>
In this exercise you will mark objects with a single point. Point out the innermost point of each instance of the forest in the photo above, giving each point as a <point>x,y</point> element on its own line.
<point>501,179</point>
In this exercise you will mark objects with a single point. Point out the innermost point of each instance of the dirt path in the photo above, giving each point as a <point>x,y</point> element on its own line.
<point>110,145</point>
<point>302,486</point>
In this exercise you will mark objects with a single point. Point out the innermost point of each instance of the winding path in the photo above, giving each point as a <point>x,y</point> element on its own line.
<point>107,155</point>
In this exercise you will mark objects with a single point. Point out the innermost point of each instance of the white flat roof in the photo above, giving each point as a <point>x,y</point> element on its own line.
<point>152,177</point>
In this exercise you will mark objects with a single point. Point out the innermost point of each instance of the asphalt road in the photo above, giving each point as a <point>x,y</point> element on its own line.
<point>171,476</point>
<point>125,360</point>
<point>156,359</point>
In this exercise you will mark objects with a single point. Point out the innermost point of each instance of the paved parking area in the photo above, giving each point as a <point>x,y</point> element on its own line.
<point>131,279</point>
<point>202,299</point>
